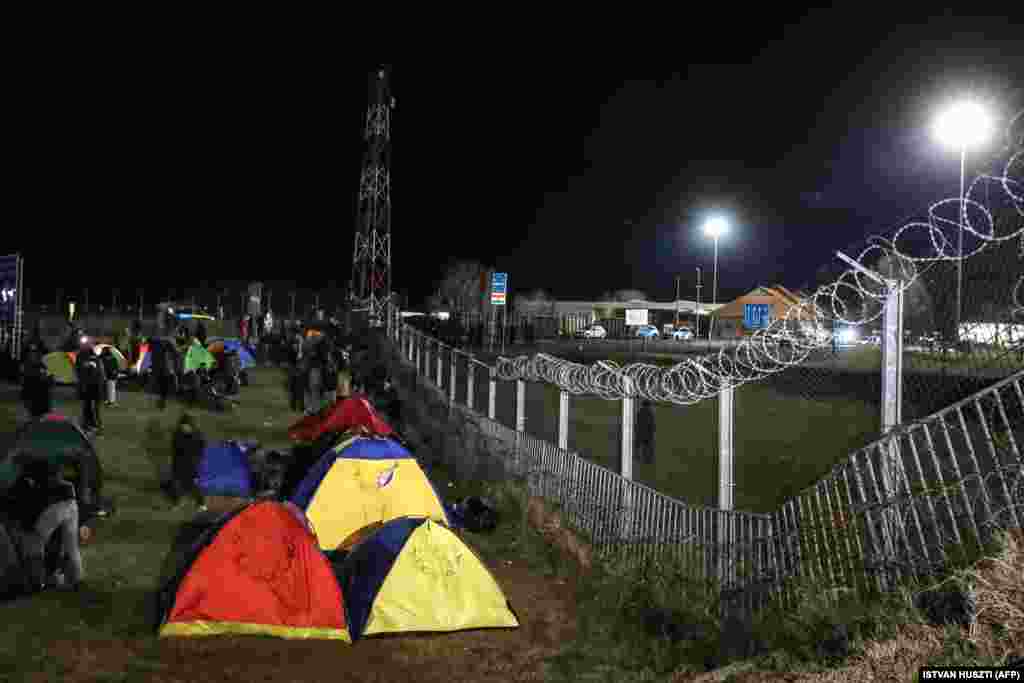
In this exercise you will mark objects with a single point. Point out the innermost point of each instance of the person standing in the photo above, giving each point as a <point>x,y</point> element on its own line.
<point>92,381</point>
<point>330,374</point>
<point>37,385</point>
<point>201,332</point>
<point>645,432</point>
<point>188,445</point>
<point>243,328</point>
<point>165,370</point>
<point>313,373</point>
<point>111,369</point>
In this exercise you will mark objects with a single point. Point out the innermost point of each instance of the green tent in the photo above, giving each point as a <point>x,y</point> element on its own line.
<point>196,356</point>
<point>61,442</point>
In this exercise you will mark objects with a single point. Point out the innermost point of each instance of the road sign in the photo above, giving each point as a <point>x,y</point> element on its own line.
<point>499,282</point>
<point>757,316</point>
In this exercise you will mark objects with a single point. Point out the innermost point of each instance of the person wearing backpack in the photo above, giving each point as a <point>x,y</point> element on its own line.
<point>92,380</point>
<point>166,371</point>
<point>111,368</point>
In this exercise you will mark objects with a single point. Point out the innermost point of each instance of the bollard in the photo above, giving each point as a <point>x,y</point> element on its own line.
<point>563,420</point>
<point>440,366</point>
<point>451,389</point>
<point>470,380</point>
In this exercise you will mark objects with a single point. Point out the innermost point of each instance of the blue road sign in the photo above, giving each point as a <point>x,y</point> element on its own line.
<point>757,316</point>
<point>498,283</point>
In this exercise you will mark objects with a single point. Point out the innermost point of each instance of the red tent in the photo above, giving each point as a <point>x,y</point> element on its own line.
<point>346,414</point>
<point>258,572</point>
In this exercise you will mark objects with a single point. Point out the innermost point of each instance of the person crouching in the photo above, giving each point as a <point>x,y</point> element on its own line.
<point>44,503</point>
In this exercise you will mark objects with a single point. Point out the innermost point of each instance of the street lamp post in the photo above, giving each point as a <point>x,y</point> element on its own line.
<point>960,126</point>
<point>715,228</point>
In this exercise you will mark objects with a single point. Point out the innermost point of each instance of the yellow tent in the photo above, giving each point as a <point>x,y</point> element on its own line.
<point>362,481</point>
<point>412,575</point>
<point>61,364</point>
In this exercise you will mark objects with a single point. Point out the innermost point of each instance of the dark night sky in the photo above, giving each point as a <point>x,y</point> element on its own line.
<point>578,167</point>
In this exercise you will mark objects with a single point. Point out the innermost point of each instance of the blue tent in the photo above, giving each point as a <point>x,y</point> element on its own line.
<point>224,470</point>
<point>245,352</point>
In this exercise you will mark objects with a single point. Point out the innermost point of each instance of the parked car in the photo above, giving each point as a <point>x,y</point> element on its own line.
<point>593,332</point>
<point>682,334</point>
<point>647,331</point>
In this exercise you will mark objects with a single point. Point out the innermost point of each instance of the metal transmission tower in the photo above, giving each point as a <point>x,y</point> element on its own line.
<point>371,260</point>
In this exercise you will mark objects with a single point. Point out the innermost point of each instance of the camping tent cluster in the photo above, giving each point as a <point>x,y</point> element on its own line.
<point>360,547</point>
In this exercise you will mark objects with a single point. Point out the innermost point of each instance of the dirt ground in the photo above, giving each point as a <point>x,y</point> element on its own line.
<point>544,607</point>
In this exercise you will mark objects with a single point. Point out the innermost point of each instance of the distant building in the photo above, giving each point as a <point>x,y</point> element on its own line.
<point>758,308</point>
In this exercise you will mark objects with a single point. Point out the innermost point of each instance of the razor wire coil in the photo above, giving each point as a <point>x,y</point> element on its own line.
<point>851,299</point>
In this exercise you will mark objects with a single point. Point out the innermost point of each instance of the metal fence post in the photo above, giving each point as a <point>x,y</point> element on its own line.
<point>626,462</point>
<point>726,458</point>
<point>520,405</point>
<point>451,389</point>
<point>563,420</point>
<point>726,454</point>
<point>470,380</point>
<point>426,358</point>
<point>492,394</point>
<point>892,409</point>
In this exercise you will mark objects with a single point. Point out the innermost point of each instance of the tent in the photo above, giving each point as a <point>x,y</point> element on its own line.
<point>256,571</point>
<point>245,354</point>
<point>61,364</point>
<point>61,442</point>
<point>122,362</point>
<point>341,416</point>
<point>224,470</point>
<point>362,481</point>
<point>412,575</point>
<point>196,356</point>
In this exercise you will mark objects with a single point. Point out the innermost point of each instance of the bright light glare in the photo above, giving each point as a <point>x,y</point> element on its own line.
<point>716,227</point>
<point>847,336</point>
<point>83,340</point>
<point>964,124</point>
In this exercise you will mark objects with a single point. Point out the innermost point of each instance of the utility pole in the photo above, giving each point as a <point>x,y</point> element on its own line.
<point>697,331</point>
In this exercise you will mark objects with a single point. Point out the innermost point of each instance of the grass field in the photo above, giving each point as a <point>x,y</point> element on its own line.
<point>103,633</point>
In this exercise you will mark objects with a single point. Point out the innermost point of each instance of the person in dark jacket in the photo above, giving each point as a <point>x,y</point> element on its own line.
<point>36,342</point>
<point>330,373</point>
<point>645,432</point>
<point>37,385</point>
<point>165,370</point>
<point>43,503</point>
<point>188,444</point>
<point>92,382</point>
<point>387,402</point>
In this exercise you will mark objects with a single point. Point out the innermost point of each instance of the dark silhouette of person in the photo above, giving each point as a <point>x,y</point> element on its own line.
<point>645,432</point>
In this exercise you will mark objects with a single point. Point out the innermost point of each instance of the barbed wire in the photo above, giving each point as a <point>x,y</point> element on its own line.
<point>852,299</point>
